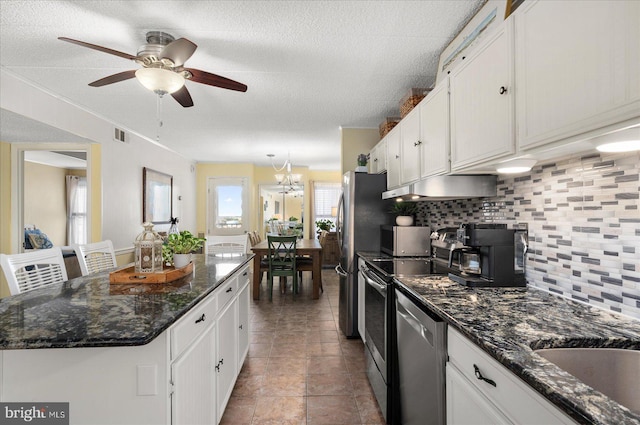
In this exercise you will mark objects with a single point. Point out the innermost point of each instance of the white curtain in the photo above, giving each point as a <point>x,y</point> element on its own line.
<point>76,210</point>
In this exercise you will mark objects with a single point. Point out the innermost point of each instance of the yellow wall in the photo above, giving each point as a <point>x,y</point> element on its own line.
<point>257,176</point>
<point>45,204</point>
<point>354,142</point>
<point>94,177</point>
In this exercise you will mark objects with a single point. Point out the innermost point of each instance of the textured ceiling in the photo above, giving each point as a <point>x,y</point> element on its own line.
<point>311,67</point>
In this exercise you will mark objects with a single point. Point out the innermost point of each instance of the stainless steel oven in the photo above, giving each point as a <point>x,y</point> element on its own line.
<point>378,290</point>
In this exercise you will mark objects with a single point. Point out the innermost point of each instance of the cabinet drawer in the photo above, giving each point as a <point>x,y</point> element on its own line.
<point>244,277</point>
<point>226,292</point>
<point>519,402</point>
<point>189,327</point>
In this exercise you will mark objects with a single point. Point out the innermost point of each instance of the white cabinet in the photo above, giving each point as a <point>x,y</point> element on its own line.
<point>434,131</point>
<point>170,380</point>
<point>467,405</point>
<point>410,151</point>
<point>378,158</point>
<point>192,382</point>
<point>393,158</point>
<point>482,102</point>
<point>577,68</point>
<point>361,289</point>
<point>243,323</point>
<point>476,379</point>
<point>226,355</point>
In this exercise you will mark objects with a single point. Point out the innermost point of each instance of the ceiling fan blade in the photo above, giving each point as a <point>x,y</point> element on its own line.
<point>178,51</point>
<point>115,78</point>
<point>183,97</point>
<point>204,77</point>
<point>98,48</point>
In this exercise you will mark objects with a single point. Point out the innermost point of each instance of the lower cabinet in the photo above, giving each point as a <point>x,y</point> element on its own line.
<point>183,376</point>
<point>482,391</point>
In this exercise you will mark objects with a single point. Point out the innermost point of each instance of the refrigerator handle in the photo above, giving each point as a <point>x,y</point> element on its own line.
<point>339,218</point>
<point>340,270</point>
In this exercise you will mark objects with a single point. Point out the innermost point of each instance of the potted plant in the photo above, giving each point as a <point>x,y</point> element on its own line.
<point>404,212</point>
<point>179,246</point>
<point>324,224</point>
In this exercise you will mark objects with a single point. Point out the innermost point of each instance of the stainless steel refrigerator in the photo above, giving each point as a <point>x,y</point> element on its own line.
<point>361,212</point>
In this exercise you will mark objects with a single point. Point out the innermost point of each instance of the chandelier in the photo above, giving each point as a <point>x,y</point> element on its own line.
<point>288,179</point>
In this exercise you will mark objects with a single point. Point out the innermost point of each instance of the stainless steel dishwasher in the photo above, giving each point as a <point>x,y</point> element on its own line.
<point>422,354</point>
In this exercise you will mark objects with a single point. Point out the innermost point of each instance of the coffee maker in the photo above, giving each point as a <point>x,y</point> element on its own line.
<point>487,257</point>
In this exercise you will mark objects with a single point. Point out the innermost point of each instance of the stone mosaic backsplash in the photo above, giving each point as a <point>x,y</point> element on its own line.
<point>583,216</point>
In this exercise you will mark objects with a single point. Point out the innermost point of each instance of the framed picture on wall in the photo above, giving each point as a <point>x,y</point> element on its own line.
<point>157,196</point>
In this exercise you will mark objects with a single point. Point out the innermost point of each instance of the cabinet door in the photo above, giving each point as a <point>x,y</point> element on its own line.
<point>482,109</point>
<point>466,405</point>
<point>577,67</point>
<point>243,325</point>
<point>378,158</point>
<point>393,158</point>
<point>193,383</point>
<point>434,131</point>
<point>410,146</point>
<point>227,355</point>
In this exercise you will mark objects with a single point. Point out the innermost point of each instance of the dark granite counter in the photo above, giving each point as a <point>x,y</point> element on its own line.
<point>509,323</point>
<point>90,312</point>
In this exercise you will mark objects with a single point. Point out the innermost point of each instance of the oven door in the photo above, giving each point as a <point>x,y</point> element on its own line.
<point>375,319</point>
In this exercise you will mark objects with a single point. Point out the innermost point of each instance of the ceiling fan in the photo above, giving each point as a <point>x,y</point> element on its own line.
<point>163,71</point>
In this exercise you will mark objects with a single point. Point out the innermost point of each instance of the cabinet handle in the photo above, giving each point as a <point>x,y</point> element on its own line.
<point>244,274</point>
<point>229,290</point>
<point>240,326</point>
<point>503,90</point>
<point>482,378</point>
<point>418,143</point>
<point>397,156</point>
<point>201,319</point>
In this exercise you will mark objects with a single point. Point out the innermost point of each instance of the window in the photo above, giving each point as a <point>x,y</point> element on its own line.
<point>227,206</point>
<point>325,202</point>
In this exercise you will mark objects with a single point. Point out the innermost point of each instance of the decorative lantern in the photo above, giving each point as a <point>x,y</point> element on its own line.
<point>148,251</point>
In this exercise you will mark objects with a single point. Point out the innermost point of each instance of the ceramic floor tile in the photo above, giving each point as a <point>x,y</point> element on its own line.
<point>239,411</point>
<point>280,410</point>
<point>329,384</point>
<point>332,410</point>
<point>301,369</point>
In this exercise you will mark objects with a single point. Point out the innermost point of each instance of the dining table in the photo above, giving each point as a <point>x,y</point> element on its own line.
<point>304,247</point>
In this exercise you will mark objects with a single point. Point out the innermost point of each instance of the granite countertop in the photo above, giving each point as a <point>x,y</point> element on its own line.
<point>509,323</point>
<point>88,311</point>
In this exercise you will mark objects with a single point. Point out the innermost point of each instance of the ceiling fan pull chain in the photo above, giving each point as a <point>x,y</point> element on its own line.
<point>159,116</point>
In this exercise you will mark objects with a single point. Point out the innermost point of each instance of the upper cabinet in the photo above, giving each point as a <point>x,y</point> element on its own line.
<point>482,102</point>
<point>434,131</point>
<point>393,157</point>
<point>577,68</point>
<point>378,158</point>
<point>410,146</point>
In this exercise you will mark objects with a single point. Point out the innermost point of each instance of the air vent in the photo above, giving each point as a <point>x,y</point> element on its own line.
<point>120,135</point>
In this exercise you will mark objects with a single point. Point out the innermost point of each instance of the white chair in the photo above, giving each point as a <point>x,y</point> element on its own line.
<point>95,257</point>
<point>33,269</point>
<point>220,245</point>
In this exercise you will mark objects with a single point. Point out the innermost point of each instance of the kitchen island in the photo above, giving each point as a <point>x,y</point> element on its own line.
<point>130,353</point>
<point>510,323</point>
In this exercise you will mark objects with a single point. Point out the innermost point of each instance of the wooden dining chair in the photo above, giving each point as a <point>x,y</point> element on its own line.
<point>282,260</point>
<point>33,269</point>
<point>95,257</point>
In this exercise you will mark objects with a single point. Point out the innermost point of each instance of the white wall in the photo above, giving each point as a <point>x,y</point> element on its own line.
<point>121,163</point>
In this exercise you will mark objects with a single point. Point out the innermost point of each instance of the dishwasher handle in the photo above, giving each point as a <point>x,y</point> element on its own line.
<point>415,323</point>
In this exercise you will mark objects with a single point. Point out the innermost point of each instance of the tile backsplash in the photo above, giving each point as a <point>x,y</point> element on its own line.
<point>583,216</point>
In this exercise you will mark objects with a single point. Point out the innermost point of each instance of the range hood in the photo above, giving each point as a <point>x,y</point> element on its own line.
<point>446,187</point>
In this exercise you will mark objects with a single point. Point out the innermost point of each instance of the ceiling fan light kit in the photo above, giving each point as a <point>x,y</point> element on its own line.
<point>160,81</point>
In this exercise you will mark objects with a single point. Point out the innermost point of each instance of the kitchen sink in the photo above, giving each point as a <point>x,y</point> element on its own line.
<point>614,372</point>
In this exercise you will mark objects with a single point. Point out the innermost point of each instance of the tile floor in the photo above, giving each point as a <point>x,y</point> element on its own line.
<point>300,368</point>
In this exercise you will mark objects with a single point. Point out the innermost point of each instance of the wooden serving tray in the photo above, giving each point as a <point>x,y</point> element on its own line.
<point>168,274</point>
